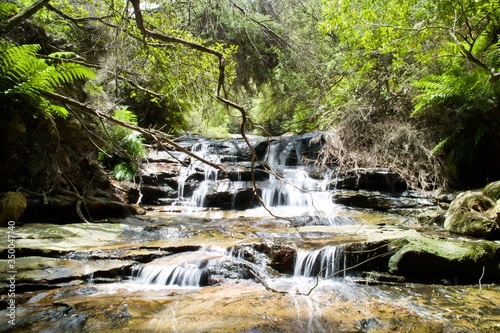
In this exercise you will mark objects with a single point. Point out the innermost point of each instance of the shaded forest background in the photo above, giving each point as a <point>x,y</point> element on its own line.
<point>408,85</point>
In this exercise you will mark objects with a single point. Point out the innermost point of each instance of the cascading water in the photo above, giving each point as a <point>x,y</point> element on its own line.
<point>292,190</point>
<point>326,262</point>
<point>185,269</point>
<point>180,275</point>
<point>284,182</point>
<point>192,269</point>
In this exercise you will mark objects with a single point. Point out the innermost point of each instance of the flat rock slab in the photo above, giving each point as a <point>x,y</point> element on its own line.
<point>63,238</point>
<point>41,272</point>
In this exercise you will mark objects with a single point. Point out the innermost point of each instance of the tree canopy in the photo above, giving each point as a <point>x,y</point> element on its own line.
<point>410,85</point>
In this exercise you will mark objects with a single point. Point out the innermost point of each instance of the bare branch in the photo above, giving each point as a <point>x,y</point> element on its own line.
<point>75,20</point>
<point>156,135</point>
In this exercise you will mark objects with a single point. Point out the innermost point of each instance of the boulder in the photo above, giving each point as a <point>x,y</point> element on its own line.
<point>12,206</point>
<point>435,260</point>
<point>492,190</point>
<point>474,214</point>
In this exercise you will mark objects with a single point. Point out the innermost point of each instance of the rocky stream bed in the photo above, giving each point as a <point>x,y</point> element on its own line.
<point>316,253</point>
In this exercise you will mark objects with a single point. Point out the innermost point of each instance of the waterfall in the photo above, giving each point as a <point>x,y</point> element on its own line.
<point>288,183</point>
<point>205,151</point>
<point>180,275</point>
<point>290,188</point>
<point>325,262</point>
<point>192,269</point>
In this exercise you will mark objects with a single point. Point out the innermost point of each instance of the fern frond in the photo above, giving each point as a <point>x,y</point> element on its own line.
<point>62,55</point>
<point>58,110</point>
<point>441,145</point>
<point>8,10</point>
<point>72,72</point>
<point>482,131</point>
<point>125,115</point>
<point>493,56</point>
<point>25,76</point>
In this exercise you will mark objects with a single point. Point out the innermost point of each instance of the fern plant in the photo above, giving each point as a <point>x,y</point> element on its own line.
<point>7,10</point>
<point>126,150</point>
<point>26,77</point>
<point>472,102</point>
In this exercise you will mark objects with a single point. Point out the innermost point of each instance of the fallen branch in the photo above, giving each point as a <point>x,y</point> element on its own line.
<point>79,201</point>
<point>264,283</point>
<point>480,293</point>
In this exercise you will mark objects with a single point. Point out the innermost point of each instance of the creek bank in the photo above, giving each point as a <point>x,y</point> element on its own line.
<point>52,163</point>
<point>215,263</point>
<point>94,277</point>
<point>52,256</point>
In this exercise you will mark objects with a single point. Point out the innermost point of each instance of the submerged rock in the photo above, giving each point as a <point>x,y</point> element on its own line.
<point>435,260</point>
<point>474,214</point>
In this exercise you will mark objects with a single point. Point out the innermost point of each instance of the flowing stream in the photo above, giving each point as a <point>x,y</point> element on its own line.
<point>258,247</point>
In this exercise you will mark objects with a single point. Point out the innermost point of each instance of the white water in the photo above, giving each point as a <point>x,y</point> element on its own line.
<point>290,191</point>
<point>326,262</point>
<point>183,269</point>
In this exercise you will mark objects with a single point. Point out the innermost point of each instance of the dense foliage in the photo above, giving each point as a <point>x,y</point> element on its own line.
<point>411,85</point>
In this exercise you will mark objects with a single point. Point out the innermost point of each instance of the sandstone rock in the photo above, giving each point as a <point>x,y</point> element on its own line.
<point>474,214</point>
<point>12,206</point>
<point>62,209</point>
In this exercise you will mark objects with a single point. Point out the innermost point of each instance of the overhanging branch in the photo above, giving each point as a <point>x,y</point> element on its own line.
<point>156,135</point>
<point>23,15</point>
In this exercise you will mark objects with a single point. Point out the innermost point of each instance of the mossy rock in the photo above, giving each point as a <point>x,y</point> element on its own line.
<point>435,260</point>
<point>492,190</point>
<point>474,214</point>
<point>12,206</point>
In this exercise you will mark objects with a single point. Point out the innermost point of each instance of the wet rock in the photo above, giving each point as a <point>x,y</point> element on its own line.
<point>366,256</point>
<point>152,194</point>
<point>43,239</point>
<point>42,272</point>
<point>224,194</point>
<point>377,179</point>
<point>435,260</point>
<point>474,214</point>
<point>12,206</point>
<point>159,173</point>
<point>280,257</point>
<point>378,201</point>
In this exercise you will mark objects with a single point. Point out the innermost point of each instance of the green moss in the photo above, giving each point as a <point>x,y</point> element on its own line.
<point>436,259</point>
<point>492,190</point>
